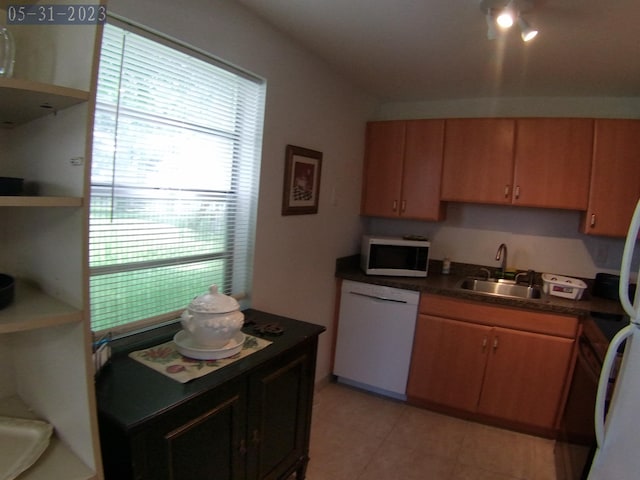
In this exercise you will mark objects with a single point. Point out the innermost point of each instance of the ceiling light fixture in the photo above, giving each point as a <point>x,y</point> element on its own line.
<point>526,31</point>
<point>506,16</point>
<point>492,33</point>
<point>503,14</point>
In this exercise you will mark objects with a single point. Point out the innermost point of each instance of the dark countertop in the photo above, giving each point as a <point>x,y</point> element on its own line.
<point>436,283</point>
<point>130,393</point>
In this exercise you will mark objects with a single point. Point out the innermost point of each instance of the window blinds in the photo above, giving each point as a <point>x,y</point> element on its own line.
<point>174,180</point>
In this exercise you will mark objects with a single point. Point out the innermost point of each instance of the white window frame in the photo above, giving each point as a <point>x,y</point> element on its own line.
<point>246,180</point>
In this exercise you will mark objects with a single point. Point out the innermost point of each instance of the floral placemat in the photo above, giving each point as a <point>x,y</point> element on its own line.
<point>166,359</point>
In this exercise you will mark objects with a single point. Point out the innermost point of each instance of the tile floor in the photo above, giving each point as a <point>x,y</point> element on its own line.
<point>361,436</point>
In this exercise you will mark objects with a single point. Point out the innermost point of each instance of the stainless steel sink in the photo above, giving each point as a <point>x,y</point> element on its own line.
<point>503,288</point>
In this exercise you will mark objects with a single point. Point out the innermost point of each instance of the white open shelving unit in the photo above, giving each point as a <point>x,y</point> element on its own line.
<point>45,339</point>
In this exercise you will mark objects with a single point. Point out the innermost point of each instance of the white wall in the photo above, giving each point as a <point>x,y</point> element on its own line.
<point>545,240</point>
<point>539,239</point>
<point>308,106</point>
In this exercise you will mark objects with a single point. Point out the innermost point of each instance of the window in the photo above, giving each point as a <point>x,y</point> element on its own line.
<point>174,180</point>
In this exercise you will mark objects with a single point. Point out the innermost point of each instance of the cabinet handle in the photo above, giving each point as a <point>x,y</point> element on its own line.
<point>593,220</point>
<point>395,205</point>
<point>517,192</point>
<point>484,344</point>
<point>495,344</point>
<point>403,206</point>
<point>506,191</point>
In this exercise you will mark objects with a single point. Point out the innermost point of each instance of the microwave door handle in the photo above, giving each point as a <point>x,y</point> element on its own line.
<point>377,297</point>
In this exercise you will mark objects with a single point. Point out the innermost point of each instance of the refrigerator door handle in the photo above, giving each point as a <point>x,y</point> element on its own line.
<point>603,384</point>
<point>625,268</point>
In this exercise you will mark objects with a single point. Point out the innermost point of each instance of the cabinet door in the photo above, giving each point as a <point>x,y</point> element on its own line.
<point>553,162</point>
<point>280,417</point>
<point>203,439</point>
<point>422,170</point>
<point>382,180</point>
<point>478,160</point>
<point>525,377</point>
<point>615,177</point>
<point>448,362</point>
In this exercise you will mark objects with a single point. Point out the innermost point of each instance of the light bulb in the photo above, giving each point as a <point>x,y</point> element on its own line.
<point>526,31</point>
<point>505,19</point>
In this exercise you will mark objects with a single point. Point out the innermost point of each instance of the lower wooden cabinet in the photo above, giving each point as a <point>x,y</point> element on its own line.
<point>248,420</point>
<point>448,362</point>
<point>488,364</point>
<point>525,377</point>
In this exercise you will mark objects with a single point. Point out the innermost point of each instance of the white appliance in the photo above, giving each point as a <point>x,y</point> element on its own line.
<point>375,337</point>
<point>396,256</point>
<point>616,457</point>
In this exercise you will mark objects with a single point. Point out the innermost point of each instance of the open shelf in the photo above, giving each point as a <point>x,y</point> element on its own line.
<point>58,461</point>
<point>32,309</point>
<point>23,100</point>
<point>20,201</point>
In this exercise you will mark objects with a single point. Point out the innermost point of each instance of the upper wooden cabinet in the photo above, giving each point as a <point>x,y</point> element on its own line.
<point>536,162</point>
<point>615,177</point>
<point>552,164</point>
<point>403,165</point>
<point>478,160</point>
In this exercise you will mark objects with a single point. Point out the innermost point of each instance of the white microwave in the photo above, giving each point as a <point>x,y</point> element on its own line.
<point>397,256</point>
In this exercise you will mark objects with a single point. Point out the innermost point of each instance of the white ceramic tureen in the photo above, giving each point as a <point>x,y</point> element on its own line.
<point>212,319</point>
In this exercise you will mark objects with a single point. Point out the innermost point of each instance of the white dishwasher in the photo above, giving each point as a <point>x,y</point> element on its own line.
<point>375,337</point>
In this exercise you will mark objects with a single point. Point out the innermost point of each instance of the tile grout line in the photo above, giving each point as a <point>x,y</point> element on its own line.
<point>383,440</point>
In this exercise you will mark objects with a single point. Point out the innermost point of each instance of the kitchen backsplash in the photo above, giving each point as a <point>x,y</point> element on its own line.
<point>540,239</point>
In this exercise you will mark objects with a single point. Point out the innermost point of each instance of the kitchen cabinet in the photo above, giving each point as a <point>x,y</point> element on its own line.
<point>552,165</point>
<point>533,162</point>
<point>478,160</point>
<point>458,345</point>
<point>249,420</point>
<point>525,377</point>
<point>615,178</point>
<point>500,364</point>
<point>46,119</point>
<point>403,164</point>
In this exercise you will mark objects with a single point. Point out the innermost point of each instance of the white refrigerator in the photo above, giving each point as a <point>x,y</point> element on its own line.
<point>617,456</point>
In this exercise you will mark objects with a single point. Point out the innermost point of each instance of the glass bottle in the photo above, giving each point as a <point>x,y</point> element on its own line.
<point>7,52</point>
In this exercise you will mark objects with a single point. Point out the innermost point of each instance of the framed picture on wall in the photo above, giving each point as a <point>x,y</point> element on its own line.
<point>301,191</point>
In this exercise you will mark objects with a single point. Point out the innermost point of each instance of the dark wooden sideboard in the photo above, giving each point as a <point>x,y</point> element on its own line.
<point>249,420</point>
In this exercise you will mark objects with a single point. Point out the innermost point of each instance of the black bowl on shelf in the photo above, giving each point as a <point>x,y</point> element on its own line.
<point>11,185</point>
<point>7,286</point>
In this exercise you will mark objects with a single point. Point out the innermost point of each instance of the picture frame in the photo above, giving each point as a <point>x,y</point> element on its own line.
<point>301,192</point>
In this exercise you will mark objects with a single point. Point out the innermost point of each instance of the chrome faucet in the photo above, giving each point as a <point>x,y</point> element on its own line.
<point>531,277</point>
<point>502,254</point>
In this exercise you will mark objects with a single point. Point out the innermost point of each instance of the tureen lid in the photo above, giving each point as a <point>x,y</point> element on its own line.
<point>213,302</point>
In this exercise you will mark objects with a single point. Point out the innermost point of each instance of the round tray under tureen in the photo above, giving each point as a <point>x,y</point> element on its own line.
<point>186,345</point>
